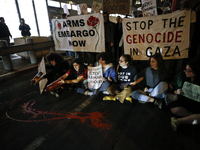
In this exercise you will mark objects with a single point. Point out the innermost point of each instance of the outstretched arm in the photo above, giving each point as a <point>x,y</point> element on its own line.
<point>136,81</point>
<point>77,80</point>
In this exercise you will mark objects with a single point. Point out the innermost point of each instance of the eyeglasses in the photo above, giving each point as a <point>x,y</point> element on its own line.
<point>188,71</point>
<point>105,16</point>
<point>120,61</point>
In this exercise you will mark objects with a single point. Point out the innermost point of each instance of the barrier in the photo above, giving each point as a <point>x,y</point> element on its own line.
<point>5,50</point>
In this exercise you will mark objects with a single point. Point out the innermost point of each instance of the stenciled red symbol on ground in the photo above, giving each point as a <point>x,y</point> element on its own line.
<point>97,118</point>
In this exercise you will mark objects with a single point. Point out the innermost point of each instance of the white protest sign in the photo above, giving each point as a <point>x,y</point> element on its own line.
<point>191,91</point>
<point>83,33</point>
<point>82,9</point>
<point>149,8</point>
<point>95,77</point>
<point>166,34</point>
<point>65,9</point>
<point>42,68</point>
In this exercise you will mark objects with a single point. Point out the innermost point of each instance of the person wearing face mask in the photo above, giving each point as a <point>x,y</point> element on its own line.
<point>109,74</point>
<point>122,89</point>
<point>185,108</point>
<point>154,85</point>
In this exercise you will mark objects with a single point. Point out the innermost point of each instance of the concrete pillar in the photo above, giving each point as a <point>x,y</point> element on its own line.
<point>7,63</point>
<point>50,38</point>
<point>32,54</point>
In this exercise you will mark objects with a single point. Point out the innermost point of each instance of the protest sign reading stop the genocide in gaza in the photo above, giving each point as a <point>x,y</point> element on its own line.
<point>79,33</point>
<point>166,34</point>
<point>116,6</point>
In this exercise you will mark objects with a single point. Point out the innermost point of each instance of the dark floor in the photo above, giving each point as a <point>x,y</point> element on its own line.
<point>29,120</point>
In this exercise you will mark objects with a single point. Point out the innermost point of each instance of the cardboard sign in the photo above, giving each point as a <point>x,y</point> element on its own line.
<point>95,77</point>
<point>43,82</point>
<point>82,9</point>
<point>149,8</point>
<point>96,7</point>
<point>191,91</point>
<point>116,6</point>
<point>166,34</point>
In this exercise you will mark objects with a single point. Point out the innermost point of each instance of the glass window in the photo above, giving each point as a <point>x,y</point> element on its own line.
<point>68,5</point>
<point>74,7</point>
<point>42,17</point>
<point>8,10</point>
<point>26,10</point>
<point>89,10</point>
<point>53,3</point>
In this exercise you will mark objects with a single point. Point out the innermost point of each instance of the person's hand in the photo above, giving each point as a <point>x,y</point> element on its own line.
<point>36,80</point>
<point>133,83</point>
<point>110,79</point>
<point>104,79</point>
<point>178,91</point>
<point>111,44</point>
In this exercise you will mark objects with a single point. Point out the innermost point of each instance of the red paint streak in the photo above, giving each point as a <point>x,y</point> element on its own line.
<point>97,118</point>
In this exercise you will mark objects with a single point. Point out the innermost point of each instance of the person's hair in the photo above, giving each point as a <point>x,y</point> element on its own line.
<point>127,58</point>
<point>81,67</point>
<point>185,5</point>
<point>106,14</point>
<point>64,15</point>
<point>22,19</point>
<point>195,69</point>
<point>104,57</point>
<point>54,56</point>
<point>160,62</point>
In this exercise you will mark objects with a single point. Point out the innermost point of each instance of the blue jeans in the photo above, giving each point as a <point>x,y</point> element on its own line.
<point>157,92</point>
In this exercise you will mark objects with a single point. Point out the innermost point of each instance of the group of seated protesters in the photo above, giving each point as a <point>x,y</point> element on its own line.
<point>153,84</point>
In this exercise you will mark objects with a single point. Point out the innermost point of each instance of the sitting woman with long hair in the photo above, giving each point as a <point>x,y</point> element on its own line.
<point>154,84</point>
<point>75,76</point>
<point>188,110</point>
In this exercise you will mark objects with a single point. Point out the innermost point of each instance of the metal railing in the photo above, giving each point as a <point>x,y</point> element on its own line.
<point>31,47</point>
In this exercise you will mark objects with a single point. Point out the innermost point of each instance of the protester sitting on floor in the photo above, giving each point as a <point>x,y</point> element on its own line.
<point>109,74</point>
<point>77,76</point>
<point>183,107</point>
<point>154,85</point>
<point>57,67</point>
<point>122,89</point>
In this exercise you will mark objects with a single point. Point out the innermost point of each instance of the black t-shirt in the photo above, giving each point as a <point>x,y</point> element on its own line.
<point>125,76</point>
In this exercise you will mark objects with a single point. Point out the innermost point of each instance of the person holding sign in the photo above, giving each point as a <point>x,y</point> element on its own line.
<point>154,86</point>
<point>57,67</point>
<point>109,74</point>
<point>184,107</point>
<point>76,76</point>
<point>122,89</point>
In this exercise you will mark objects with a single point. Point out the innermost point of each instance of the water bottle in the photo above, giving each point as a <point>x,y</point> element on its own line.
<point>39,74</point>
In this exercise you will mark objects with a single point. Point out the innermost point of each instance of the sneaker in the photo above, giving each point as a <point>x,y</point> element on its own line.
<point>142,102</point>
<point>129,99</point>
<point>90,93</point>
<point>174,123</point>
<point>106,93</point>
<point>55,94</point>
<point>109,98</point>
